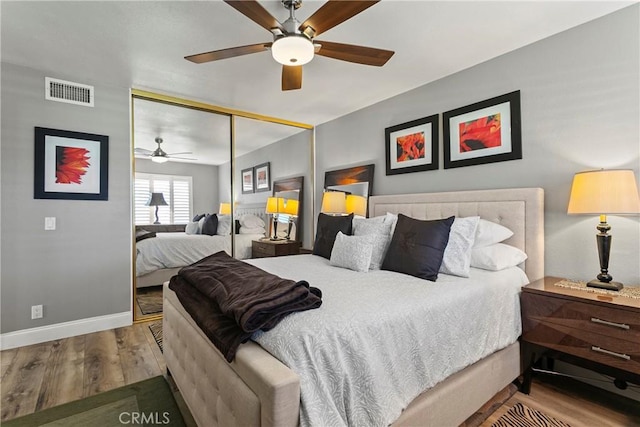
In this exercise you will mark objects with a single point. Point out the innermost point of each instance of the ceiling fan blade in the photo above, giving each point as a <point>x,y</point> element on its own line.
<point>353,53</point>
<point>182,152</point>
<point>291,77</point>
<point>334,12</point>
<point>254,11</point>
<point>142,151</point>
<point>228,53</point>
<point>181,158</point>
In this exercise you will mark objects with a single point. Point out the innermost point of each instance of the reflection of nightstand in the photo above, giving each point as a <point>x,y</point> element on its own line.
<point>597,331</point>
<point>270,248</point>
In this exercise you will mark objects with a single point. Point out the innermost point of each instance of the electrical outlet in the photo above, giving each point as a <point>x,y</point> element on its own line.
<point>49,222</point>
<point>36,311</point>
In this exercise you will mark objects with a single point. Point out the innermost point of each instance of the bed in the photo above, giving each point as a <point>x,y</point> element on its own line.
<point>258,389</point>
<point>160,257</point>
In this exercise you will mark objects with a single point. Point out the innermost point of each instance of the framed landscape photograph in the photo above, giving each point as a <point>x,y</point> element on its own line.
<point>484,132</point>
<point>412,146</point>
<point>263,177</point>
<point>70,165</point>
<point>247,181</point>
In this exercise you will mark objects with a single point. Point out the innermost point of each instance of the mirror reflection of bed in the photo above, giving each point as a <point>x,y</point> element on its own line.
<point>196,131</point>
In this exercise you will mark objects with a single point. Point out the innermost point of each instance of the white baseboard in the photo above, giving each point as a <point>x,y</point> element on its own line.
<point>64,330</point>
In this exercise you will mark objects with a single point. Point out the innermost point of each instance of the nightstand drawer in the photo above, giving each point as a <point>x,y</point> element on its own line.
<point>599,348</point>
<point>263,249</point>
<point>604,320</point>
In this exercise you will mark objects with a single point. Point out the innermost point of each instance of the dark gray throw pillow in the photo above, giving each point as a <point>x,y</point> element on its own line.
<point>328,227</point>
<point>198,217</point>
<point>417,247</point>
<point>210,225</point>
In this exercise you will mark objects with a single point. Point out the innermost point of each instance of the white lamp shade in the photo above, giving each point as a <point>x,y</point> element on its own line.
<point>334,202</point>
<point>604,192</point>
<point>225,209</point>
<point>292,50</point>
<point>356,204</point>
<point>290,207</point>
<point>272,205</point>
<point>159,159</point>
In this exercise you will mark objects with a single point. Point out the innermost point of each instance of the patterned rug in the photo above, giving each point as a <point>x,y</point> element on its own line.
<point>149,299</point>
<point>156,331</point>
<point>522,416</point>
<point>628,291</point>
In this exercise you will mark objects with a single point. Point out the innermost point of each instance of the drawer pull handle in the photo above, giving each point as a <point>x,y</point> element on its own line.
<point>610,353</point>
<point>605,322</point>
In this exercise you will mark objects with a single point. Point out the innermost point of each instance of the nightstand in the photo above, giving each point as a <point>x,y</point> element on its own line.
<point>592,330</point>
<point>270,248</point>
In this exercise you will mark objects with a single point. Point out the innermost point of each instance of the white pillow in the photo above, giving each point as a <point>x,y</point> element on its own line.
<point>457,255</point>
<point>252,221</point>
<point>200,224</point>
<point>379,229</point>
<point>490,233</point>
<point>254,230</point>
<point>352,252</point>
<point>192,228</point>
<point>496,257</point>
<point>224,225</point>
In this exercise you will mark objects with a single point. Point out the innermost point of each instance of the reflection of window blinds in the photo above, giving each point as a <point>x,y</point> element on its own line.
<point>283,218</point>
<point>177,193</point>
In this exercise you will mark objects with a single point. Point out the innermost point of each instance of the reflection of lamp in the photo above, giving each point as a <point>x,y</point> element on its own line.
<point>334,203</point>
<point>356,204</point>
<point>291,209</point>
<point>157,199</point>
<point>225,209</point>
<point>272,208</point>
<point>604,192</point>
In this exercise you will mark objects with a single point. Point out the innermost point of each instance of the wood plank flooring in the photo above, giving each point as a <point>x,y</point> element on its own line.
<point>40,376</point>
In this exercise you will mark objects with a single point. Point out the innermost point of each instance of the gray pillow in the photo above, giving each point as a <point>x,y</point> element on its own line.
<point>352,252</point>
<point>192,228</point>
<point>379,228</point>
<point>224,225</point>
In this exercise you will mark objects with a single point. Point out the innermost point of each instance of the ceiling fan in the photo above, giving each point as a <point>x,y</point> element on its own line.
<point>294,44</point>
<point>159,156</point>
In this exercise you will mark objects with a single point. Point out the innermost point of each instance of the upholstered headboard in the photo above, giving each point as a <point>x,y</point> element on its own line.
<point>257,209</point>
<point>519,209</point>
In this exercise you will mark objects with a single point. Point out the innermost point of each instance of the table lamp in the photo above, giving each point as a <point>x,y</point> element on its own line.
<point>356,204</point>
<point>273,208</point>
<point>225,209</point>
<point>291,209</point>
<point>334,203</point>
<point>604,192</point>
<point>157,199</point>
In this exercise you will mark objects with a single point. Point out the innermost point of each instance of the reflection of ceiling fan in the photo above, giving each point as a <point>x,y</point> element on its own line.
<point>158,155</point>
<point>293,43</point>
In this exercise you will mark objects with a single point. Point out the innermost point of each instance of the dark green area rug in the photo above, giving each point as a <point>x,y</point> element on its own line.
<point>146,403</point>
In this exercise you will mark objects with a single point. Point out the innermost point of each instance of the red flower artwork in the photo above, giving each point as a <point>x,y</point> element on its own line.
<point>410,147</point>
<point>480,133</point>
<point>71,164</point>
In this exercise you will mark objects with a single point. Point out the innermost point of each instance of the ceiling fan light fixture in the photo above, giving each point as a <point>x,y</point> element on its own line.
<point>292,50</point>
<point>159,159</point>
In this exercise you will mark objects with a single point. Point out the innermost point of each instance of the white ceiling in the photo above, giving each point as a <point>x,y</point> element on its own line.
<point>141,44</point>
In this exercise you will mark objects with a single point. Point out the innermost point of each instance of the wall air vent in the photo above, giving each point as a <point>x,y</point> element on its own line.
<point>64,91</point>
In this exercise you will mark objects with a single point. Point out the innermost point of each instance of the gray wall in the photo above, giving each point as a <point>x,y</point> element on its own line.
<point>82,269</point>
<point>204,181</point>
<point>580,110</point>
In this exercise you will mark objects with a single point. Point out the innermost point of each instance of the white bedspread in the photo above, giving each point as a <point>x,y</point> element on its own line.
<point>381,338</point>
<point>171,250</point>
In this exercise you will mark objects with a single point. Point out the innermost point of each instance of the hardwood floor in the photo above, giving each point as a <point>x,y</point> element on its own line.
<point>43,375</point>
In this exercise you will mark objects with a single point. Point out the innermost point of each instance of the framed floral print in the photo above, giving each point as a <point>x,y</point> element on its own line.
<point>412,146</point>
<point>247,181</point>
<point>484,132</point>
<point>70,165</point>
